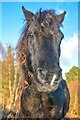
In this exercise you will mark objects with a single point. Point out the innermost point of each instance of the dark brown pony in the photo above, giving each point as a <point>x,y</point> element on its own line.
<point>38,50</point>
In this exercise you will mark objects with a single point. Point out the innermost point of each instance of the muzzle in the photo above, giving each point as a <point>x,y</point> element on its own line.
<point>47,81</point>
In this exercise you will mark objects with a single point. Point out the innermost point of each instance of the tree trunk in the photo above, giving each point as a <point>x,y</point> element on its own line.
<point>10,88</point>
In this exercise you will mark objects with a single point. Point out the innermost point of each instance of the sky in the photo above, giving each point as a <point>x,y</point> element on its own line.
<point>12,23</point>
<point>39,0</point>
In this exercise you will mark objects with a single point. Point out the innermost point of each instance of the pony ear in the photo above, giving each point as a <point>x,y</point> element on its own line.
<point>60,17</point>
<point>28,15</point>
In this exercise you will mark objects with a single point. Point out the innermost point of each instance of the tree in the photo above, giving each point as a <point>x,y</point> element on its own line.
<point>11,80</point>
<point>73,80</point>
<point>2,51</point>
<point>73,73</point>
<point>8,77</point>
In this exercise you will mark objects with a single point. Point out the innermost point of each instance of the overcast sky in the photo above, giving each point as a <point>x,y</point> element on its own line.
<point>12,22</point>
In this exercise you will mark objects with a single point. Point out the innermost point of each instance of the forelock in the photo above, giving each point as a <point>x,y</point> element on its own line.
<point>41,16</point>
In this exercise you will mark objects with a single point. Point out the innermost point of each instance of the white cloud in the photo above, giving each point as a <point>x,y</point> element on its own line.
<point>69,53</point>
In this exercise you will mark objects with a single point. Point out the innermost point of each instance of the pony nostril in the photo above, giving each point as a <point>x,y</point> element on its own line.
<point>39,73</point>
<point>42,72</point>
<point>41,76</point>
<point>39,70</point>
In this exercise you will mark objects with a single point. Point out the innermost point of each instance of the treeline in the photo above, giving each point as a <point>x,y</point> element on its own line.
<point>73,82</point>
<point>10,80</point>
<point>73,74</point>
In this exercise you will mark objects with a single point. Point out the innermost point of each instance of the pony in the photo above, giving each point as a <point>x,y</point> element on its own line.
<point>46,95</point>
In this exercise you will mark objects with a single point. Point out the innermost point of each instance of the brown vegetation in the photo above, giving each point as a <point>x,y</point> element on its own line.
<point>74,97</point>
